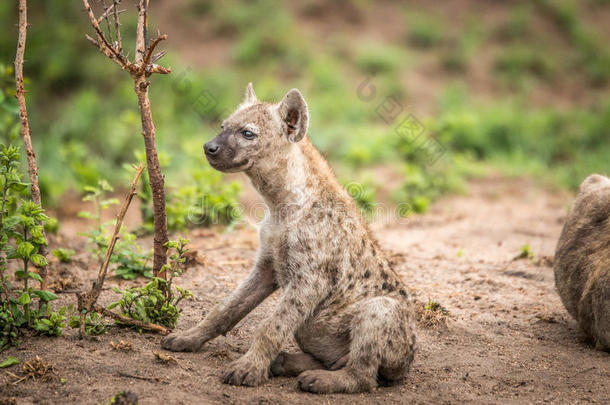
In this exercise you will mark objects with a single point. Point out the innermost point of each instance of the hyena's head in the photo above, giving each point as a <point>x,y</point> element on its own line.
<point>258,133</point>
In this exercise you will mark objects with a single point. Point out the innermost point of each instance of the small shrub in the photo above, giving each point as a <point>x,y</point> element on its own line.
<point>432,314</point>
<point>517,25</point>
<point>376,59</point>
<point>131,262</point>
<point>157,302</point>
<point>517,61</point>
<point>63,255</point>
<point>94,324</point>
<point>21,238</point>
<point>525,253</point>
<point>424,31</point>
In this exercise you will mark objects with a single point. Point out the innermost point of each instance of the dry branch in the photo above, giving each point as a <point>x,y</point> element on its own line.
<point>130,321</point>
<point>88,302</point>
<point>25,125</point>
<point>140,69</point>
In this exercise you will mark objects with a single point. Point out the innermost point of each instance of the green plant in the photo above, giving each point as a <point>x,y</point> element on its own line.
<point>375,59</point>
<point>516,61</point>
<point>518,24</point>
<point>94,324</point>
<point>525,253</point>
<point>435,307</point>
<point>9,361</point>
<point>424,31</point>
<point>53,324</point>
<point>21,238</point>
<point>157,302</point>
<point>131,262</point>
<point>63,255</point>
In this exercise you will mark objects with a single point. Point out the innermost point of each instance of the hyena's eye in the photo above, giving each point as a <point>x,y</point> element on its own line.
<point>248,134</point>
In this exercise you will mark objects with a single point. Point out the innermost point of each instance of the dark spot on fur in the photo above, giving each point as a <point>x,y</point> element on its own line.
<point>390,343</point>
<point>402,292</point>
<point>387,287</point>
<point>384,275</point>
<point>367,274</point>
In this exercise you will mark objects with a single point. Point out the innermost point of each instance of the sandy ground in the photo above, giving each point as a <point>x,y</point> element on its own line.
<point>507,338</point>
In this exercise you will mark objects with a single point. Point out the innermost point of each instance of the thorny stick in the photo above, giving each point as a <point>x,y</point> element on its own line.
<point>25,125</point>
<point>142,67</point>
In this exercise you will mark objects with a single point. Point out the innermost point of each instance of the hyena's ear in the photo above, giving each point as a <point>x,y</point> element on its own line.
<point>294,114</point>
<point>250,97</point>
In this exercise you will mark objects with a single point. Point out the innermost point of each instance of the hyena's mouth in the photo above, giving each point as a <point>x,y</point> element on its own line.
<point>230,167</point>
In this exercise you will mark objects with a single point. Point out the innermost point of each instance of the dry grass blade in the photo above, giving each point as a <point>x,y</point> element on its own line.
<point>35,369</point>
<point>122,345</point>
<point>164,358</point>
<point>432,314</point>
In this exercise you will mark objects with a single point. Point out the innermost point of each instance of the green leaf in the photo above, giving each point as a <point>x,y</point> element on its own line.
<point>46,296</point>
<point>39,260</point>
<point>35,276</point>
<point>20,274</point>
<point>25,250</point>
<point>24,299</point>
<point>9,361</point>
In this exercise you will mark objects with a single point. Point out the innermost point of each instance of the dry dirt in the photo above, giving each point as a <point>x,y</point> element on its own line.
<point>507,338</point>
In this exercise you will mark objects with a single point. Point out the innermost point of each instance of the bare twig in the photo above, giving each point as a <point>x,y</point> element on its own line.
<point>141,32</point>
<point>25,125</point>
<point>141,377</point>
<point>130,321</point>
<point>103,45</point>
<point>87,301</point>
<point>105,17</point>
<point>117,24</point>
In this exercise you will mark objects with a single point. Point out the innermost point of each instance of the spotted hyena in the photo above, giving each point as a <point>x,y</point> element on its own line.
<point>582,260</point>
<point>347,309</point>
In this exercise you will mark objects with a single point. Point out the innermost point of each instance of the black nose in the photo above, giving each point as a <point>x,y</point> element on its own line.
<point>211,148</point>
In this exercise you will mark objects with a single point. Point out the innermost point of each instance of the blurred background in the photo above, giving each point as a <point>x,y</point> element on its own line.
<point>408,100</point>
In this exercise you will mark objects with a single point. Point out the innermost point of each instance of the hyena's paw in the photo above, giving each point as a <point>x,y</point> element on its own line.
<point>186,342</point>
<point>328,382</point>
<point>244,371</point>
<point>293,364</point>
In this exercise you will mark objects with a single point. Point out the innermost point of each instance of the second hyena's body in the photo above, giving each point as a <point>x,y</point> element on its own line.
<point>347,309</point>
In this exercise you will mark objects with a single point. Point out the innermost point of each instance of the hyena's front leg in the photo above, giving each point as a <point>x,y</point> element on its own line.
<point>296,304</point>
<point>251,292</point>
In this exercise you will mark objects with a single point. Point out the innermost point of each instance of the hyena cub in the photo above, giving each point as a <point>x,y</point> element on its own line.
<point>582,260</point>
<point>348,310</point>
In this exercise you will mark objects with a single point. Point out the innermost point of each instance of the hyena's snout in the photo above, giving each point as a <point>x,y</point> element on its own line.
<point>211,148</point>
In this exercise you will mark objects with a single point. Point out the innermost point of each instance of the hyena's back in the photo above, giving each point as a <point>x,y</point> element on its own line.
<point>582,260</point>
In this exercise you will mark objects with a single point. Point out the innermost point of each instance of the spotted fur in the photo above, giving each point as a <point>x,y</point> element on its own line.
<point>582,260</point>
<point>349,311</point>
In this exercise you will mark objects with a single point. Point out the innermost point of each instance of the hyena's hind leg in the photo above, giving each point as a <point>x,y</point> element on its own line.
<point>293,364</point>
<point>382,347</point>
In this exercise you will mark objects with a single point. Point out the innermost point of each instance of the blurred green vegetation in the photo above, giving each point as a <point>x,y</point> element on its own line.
<point>86,124</point>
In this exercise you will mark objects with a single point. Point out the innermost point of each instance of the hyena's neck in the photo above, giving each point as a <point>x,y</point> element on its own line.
<point>291,180</point>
